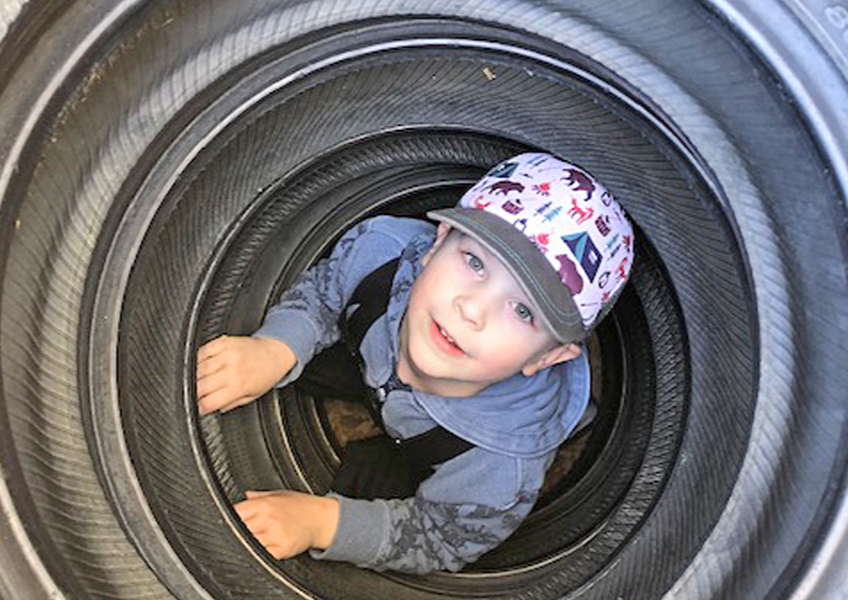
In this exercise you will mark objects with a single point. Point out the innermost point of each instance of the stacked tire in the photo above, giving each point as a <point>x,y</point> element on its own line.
<point>169,166</point>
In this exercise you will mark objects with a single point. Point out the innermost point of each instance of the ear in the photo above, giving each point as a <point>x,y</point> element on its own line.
<point>554,356</point>
<point>441,234</point>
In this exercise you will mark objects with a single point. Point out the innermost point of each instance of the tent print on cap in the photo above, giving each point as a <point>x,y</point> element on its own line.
<point>503,170</point>
<point>585,252</point>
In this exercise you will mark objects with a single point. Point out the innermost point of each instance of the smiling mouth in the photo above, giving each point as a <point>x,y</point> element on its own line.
<point>446,336</point>
<point>444,340</point>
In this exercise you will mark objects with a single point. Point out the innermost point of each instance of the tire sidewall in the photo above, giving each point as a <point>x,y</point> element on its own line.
<point>718,130</point>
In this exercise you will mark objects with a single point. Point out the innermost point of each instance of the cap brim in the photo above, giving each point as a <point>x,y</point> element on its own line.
<point>530,268</point>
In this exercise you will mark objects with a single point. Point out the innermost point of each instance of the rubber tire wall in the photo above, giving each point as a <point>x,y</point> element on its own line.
<point>117,117</point>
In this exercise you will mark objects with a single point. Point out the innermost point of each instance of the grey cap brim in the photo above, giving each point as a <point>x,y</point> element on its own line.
<point>530,268</point>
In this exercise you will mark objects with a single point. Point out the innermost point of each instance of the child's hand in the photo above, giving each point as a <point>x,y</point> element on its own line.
<point>232,371</point>
<point>288,523</point>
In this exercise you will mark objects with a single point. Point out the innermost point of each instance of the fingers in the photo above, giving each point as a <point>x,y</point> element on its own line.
<point>211,349</point>
<point>246,510</point>
<point>287,523</point>
<point>210,365</point>
<point>214,378</point>
<point>209,384</point>
<point>277,552</point>
<point>211,358</point>
<point>233,371</point>
<point>209,403</point>
<point>253,515</point>
<point>222,400</point>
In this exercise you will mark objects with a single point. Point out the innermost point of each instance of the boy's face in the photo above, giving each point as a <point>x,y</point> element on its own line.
<point>469,324</point>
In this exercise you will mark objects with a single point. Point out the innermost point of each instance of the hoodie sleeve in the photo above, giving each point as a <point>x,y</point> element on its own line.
<point>426,533</point>
<point>306,317</point>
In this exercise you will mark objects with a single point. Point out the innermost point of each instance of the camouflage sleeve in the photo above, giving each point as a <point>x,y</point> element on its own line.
<point>427,536</point>
<point>458,514</point>
<point>306,317</point>
<point>416,535</point>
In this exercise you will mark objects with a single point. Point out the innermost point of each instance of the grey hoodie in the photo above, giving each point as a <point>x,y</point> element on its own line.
<point>472,502</point>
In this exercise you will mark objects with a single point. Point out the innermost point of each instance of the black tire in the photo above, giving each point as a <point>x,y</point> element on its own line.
<point>168,167</point>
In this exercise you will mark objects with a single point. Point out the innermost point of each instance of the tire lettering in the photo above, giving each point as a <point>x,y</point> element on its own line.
<point>837,15</point>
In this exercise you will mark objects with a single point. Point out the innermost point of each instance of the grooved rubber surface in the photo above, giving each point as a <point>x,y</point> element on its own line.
<point>759,271</point>
<point>158,300</point>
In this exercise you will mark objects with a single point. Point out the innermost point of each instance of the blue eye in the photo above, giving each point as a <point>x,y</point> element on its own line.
<point>474,262</point>
<point>524,313</point>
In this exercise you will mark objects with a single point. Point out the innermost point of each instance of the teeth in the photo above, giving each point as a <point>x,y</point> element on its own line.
<point>447,337</point>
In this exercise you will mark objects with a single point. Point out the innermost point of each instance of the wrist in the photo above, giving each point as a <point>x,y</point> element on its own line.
<point>327,521</point>
<point>280,354</point>
<point>280,350</point>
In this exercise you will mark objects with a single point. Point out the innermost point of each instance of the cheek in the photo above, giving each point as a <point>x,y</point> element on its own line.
<point>422,289</point>
<point>504,365</point>
<point>510,347</point>
<point>438,279</point>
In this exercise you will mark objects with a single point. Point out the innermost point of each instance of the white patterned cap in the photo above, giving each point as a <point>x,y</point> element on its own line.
<point>561,234</point>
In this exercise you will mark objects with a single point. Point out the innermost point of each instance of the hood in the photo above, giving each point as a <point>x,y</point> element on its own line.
<point>520,416</point>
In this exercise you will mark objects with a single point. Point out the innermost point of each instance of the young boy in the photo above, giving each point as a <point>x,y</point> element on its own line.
<point>480,337</point>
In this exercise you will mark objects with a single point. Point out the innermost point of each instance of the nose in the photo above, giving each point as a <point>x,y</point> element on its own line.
<point>472,310</point>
